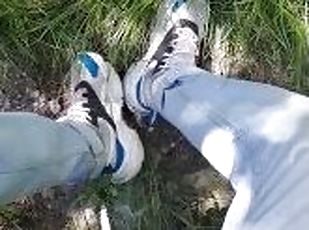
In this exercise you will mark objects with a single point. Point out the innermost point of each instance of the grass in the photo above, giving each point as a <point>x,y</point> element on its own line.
<point>39,38</point>
<point>273,33</point>
<point>147,202</point>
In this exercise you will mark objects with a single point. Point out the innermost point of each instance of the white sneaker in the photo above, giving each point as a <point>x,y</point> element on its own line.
<point>174,41</point>
<point>97,99</point>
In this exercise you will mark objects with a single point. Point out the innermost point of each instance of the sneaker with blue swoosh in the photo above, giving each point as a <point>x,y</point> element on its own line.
<point>174,43</point>
<point>97,100</point>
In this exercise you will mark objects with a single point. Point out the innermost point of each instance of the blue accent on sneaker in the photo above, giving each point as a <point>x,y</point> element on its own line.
<point>174,85</point>
<point>138,95</point>
<point>90,64</point>
<point>149,116</point>
<point>178,4</point>
<point>119,159</point>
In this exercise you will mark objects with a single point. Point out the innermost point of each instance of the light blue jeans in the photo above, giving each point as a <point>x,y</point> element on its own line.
<point>36,152</point>
<point>256,135</point>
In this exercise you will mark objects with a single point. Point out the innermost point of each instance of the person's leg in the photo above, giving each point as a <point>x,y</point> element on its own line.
<point>36,152</point>
<point>252,133</point>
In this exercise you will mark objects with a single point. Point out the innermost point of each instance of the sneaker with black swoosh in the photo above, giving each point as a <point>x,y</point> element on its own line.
<point>97,100</point>
<point>174,43</point>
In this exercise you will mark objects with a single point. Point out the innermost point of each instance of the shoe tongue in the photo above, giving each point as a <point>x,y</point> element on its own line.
<point>97,109</point>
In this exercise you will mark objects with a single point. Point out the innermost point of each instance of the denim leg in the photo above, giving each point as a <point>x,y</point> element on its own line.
<point>256,135</point>
<point>36,152</point>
